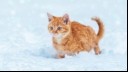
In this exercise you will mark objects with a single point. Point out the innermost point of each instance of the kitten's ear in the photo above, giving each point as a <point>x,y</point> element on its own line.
<point>50,17</point>
<point>66,18</point>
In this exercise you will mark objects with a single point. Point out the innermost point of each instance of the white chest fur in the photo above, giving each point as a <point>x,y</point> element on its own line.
<point>58,38</point>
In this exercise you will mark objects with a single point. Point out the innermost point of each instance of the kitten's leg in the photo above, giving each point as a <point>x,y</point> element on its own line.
<point>97,50</point>
<point>59,56</point>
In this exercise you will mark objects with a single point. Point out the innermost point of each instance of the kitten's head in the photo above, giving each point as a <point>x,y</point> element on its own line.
<point>58,26</point>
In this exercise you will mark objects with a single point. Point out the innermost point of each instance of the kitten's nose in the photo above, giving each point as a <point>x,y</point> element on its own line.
<point>55,32</point>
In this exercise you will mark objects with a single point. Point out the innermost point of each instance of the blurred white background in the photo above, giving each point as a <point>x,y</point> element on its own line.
<point>24,36</point>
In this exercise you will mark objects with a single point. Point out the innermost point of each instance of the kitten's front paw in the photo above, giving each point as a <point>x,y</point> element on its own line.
<point>98,53</point>
<point>60,56</point>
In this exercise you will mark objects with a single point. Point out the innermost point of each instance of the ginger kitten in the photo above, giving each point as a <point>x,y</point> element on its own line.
<point>70,37</point>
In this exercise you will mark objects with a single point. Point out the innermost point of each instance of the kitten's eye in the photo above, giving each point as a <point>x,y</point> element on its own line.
<point>51,28</point>
<point>59,28</point>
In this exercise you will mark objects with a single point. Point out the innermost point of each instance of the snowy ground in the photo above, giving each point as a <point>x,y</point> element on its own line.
<point>25,43</point>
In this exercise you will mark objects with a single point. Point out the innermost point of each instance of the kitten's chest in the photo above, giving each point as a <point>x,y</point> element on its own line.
<point>58,39</point>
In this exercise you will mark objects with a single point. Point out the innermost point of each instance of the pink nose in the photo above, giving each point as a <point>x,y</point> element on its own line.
<point>55,32</point>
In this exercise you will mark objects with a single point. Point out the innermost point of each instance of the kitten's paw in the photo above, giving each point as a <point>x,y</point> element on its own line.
<point>60,56</point>
<point>98,53</point>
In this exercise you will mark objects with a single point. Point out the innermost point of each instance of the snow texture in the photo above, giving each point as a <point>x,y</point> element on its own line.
<point>25,43</point>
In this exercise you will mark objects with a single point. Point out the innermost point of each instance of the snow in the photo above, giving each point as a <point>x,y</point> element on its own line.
<point>25,43</point>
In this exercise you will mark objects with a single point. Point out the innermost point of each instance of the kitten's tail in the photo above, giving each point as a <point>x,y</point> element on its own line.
<point>101,27</point>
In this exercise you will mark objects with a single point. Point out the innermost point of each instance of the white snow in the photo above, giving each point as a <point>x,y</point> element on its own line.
<point>25,43</point>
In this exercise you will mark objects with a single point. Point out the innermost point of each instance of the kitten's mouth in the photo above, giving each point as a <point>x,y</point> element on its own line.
<point>54,35</point>
<point>57,35</point>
